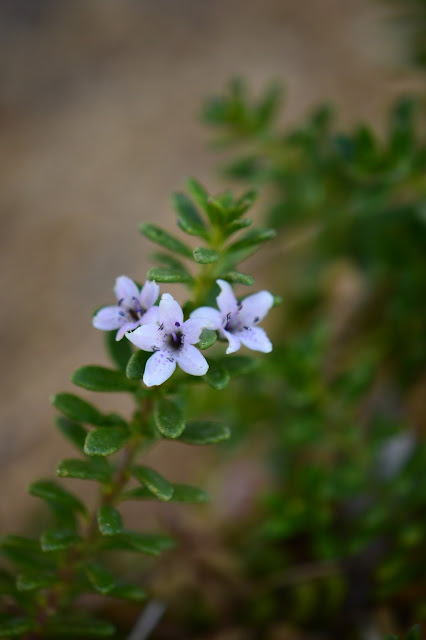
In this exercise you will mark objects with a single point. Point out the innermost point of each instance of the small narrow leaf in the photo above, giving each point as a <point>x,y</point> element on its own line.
<point>139,493</point>
<point>136,365</point>
<point>33,580</point>
<point>75,627</point>
<point>238,278</point>
<point>101,379</point>
<point>204,432</point>
<point>198,192</point>
<point>15,627</point>
<point>217,375</point>
<point>163,238</point>
<point>237,225</point>
<point>150,543</point>
<point>105,440</point>
<point>207,339</point>
<point>119,351</point>
<point>163,274</point>
<point>77,409</point>
<point>25,553</point>
<point>244,203</point>
<point>73,431</point>
<point>99,577</point>
<point>49,490</point>
<point>167,260</point>
<point>252,238</point>
<point>189,219</point>
<point>109,520</point>
<point>168,418</point>
<point>58,539</point>
<point>186,493</point>
<point>203,255</point>
<point>156,483</point>
<point>95,469</point>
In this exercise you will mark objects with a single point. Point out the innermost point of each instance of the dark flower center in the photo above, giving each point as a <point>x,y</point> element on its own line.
<point>175,340</point>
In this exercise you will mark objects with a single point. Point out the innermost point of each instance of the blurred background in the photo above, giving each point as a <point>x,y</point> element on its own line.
<point>99,106</point>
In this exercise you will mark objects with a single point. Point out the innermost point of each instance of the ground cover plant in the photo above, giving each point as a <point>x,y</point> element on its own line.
<point>70,557</point>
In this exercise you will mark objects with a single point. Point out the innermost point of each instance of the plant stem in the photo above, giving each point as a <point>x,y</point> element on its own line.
<point>55,596</point>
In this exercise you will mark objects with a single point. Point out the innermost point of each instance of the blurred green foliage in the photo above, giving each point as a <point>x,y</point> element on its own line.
<point>340,531</point>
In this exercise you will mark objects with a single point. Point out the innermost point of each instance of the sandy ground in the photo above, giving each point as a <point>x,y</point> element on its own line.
<point>98,125</point>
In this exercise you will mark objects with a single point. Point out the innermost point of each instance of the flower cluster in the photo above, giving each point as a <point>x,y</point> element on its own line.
<point>162,330</point>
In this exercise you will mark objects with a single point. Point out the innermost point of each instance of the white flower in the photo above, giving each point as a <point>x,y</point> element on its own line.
<point>133,308</point>
<point>171,339</point>
<point>236,321</point>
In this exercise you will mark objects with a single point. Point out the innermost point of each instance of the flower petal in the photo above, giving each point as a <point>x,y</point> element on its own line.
<point>255,338</point>
<point>170,312</point>
<point>128,326</point>
<point>108,318</point>
<point>158,368</point>
<point>226,300</point>
<point>255,307</point>
<point>148,337</point>
<point>208,313</point>
<point>192,328</point>
<point>149,294</point>
<point>192,361</point>
<point>150,316</point>
<point>233,339</point>
<point>126,290</point>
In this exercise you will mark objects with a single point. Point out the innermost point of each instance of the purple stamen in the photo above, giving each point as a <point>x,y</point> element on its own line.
<point>177,324</point>
<point>120,302</point>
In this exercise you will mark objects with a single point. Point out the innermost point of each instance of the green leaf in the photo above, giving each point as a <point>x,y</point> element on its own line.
<point>167,260</point>
<point>204,432</point>
<point>25,552</point>
<point>58,539</point>
<point>163,238</point>
<point>119,351</point>
<point>74,627</point>
<point>50,490</point>
<point>155,482</point>
<point>73,431</point>
<point>217,375</point>
<point>34,580</point>
<point>109,520</point>
<point>215,212</point>
<point>136,365</point>
<point>207,339</point>
<point>205,256</point>
<point>168,418</point>
<point>150,543</point>
<point>251,239</point>
<point>243,204</point>
<point>77,409</point>
<point>237,225</point>
<point>238,278</point>
<point>105,440</point>
<point>163,274</point>
<point>99,577</point>
<point>15,627</point>
<point>139,493</point>
<point>186,493</point>
<point>239,365</point>
<point>95,469</point>
<point>128,592</point>
<point>189,219</point>
<point>198,192</point>
<point>102,379</point>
